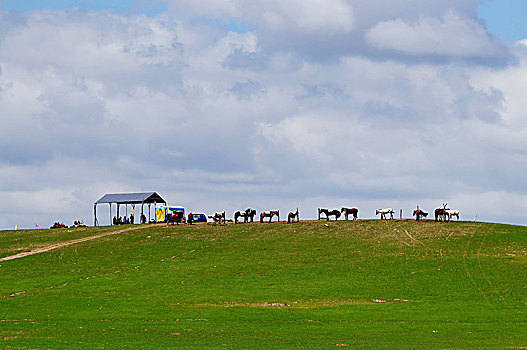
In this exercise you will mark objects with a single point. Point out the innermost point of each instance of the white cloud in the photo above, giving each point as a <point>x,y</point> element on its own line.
<point>450,35</point>
<point>484,205</point>
<point>323,30</point>
<point>311,16</point>
<point>512,82</point>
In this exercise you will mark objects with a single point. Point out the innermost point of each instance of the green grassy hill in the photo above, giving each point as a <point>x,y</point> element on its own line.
<point>364,284</point>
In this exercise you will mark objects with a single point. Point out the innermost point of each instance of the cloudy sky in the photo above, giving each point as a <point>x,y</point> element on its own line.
<point>225,104</point>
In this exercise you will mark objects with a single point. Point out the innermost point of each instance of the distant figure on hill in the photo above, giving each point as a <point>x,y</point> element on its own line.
<point>132,219</point>
<point>190,218</point>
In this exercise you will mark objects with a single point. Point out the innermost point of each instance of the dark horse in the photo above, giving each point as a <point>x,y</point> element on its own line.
<point>350,211</point>
<point>269,215</point>
<point>292,215</point>
<point>328,213</point>
<point>418,213</point>
<point>440,213</point>
<point>246,214</point>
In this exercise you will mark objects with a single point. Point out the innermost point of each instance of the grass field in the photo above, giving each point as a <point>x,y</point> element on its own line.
<point>364,284</point>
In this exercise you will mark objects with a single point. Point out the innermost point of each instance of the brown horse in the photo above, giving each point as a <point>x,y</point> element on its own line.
<point>350,211</point>
<point>418,213</point>
<point>291,216</point>
<point>328,213</point>
<point>269,215</point>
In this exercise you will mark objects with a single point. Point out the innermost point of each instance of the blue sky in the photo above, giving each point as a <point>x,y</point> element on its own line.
<point>505,18</point>
<point>148,7</point>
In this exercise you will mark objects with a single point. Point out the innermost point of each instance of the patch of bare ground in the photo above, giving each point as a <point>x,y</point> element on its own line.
<point>176,320</point>
<point>306,304</point>
<point>17,293</point>
<point>68,243</point>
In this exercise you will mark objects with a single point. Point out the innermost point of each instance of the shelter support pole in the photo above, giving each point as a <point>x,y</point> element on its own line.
<point>149,211</point>
<point>118,205</point>
<point>142,211</point>
<point>95,215</point>
<point>111,222</point>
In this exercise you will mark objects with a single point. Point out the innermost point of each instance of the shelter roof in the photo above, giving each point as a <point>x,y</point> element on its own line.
<point>131,198</point>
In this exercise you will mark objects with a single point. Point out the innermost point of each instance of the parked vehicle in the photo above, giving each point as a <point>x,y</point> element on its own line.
<point>199,217</point>
<point>170,214</point>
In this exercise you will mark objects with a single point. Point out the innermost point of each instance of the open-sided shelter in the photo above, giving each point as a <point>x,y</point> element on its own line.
<point>132,199</point>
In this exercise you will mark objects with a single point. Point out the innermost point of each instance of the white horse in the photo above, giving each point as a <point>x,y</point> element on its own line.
<point>383,212</point>
<point>449,213</point>
<point>218,217</point>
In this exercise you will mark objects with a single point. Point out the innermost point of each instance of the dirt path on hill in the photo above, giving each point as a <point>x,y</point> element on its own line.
<point>65,244</point>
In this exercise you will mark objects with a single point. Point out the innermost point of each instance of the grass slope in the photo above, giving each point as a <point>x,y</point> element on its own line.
<point>364,284</point>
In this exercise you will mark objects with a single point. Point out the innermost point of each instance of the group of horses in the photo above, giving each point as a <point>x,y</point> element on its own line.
<point>445,214</point>
<point>248,215</point>
<point>337,213</point>
<point>440,214</point>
